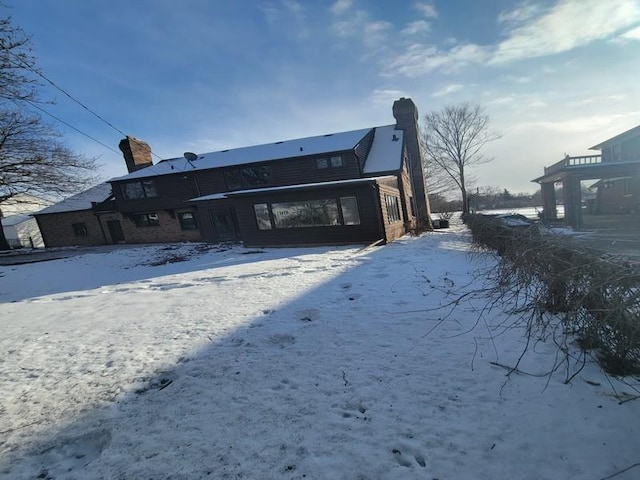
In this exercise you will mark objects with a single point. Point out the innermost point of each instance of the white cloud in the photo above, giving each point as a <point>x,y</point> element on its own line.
<point>375,32</point>
<point>577,125</point>
<point>569,24</point>
<point>633,34</point>
<point>360,26</point>
<point>420,59</point>
<point>416,28</point>
<point>426,9</point>
<point>449,89</point>
<point>386,97</point>
<point>524,12</point>
<point>517,79</point>
<point>341,6</point>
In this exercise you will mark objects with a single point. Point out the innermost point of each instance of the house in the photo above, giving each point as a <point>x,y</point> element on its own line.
<point>359,186</point>
<point>19,227</point>
<point>615,195</point>
<point>617,169</point>
<point>77,219</point>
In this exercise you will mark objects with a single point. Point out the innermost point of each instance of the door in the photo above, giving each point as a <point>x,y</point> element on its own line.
<point>224,225</point>
<point>115,230</point>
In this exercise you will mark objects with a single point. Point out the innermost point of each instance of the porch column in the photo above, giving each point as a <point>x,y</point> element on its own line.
<point>572,201</point>
<point>548,191</point>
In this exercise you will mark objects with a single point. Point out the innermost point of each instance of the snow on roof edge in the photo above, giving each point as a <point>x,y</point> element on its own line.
<point>295,148</point>
<point>220,196</point>
<point>79,201</point>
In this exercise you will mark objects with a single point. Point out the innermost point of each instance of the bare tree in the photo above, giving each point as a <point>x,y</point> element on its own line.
<point>35,162</point>
<point>33,159</point>
<point>453,138</point>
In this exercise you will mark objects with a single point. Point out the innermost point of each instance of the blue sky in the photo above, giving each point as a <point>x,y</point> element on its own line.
<point>556,76</point>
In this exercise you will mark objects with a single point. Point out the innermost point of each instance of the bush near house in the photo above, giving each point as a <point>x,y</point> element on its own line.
<point>545,275</point>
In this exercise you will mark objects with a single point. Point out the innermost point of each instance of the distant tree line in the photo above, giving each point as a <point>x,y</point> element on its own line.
<point>485,198</point>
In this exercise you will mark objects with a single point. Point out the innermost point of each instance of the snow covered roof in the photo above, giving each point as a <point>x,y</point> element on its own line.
<point>220,196</point>
<point>332,142</point>
<point>15,219</point>
<point>386,151</point>
<point>80,201</point>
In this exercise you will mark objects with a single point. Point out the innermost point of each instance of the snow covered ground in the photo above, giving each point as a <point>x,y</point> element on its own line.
<point>317,363</point>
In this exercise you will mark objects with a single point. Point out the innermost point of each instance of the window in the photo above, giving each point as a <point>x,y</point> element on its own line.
<point>309,213</point>
<point>146,220</point>
<point>333,162</point>
<point>187,221</point>
<point>248,177</point>
<point>262,216</point>
<point>393,212</point>
<point>142,189</point>
<point>322,163</point>
<point>80,229</point>
<point>349,207</point>
<point>312,213</point>
<point>336,161</point>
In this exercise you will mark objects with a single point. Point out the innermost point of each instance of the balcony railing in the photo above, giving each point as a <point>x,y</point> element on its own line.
<point>573,162</point>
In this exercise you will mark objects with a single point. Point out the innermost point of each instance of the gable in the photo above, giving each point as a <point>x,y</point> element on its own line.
<point>386,151</point>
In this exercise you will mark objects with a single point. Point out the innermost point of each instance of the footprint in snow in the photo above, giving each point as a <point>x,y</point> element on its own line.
<point>281,340</point>
<point>405,460</point>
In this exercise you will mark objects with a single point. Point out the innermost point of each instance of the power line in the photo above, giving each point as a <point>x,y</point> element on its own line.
<point>150,168</point>
<point>29,67</point>
<point>71,126</point>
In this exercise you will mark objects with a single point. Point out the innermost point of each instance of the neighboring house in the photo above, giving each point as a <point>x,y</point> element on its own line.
<point>617,168</point>
<point>20,229</point>
<point>619,194</point>
<point>616,195</point>
<point>360,186</point>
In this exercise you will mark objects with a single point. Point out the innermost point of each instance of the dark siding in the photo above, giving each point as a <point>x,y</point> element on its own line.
<point>175,190</point>
<point>367,232</point>
<point>362,149</point>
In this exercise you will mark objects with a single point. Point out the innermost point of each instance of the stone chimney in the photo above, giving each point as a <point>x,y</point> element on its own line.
<point>137,154</point>
<point>406,114</point>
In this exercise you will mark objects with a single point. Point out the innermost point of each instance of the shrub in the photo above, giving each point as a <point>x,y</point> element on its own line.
<point>597,298</point>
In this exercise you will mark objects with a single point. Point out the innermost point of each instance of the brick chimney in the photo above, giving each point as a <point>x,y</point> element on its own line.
<point>406,114</point>
<point>137,153</point>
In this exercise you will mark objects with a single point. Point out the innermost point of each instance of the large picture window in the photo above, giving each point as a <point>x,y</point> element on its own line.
<point>312,213</point>
<point>248,177</point>
<point>393,211</point>
<point>328,212</point>
<point>142,189</point>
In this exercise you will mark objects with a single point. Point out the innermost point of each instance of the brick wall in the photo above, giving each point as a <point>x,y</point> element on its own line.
<point>168,230</point>
<point>57,229</point>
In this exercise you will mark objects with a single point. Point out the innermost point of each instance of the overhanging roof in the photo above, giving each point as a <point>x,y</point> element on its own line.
<point>634,132</point>
<point>301,186</point>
